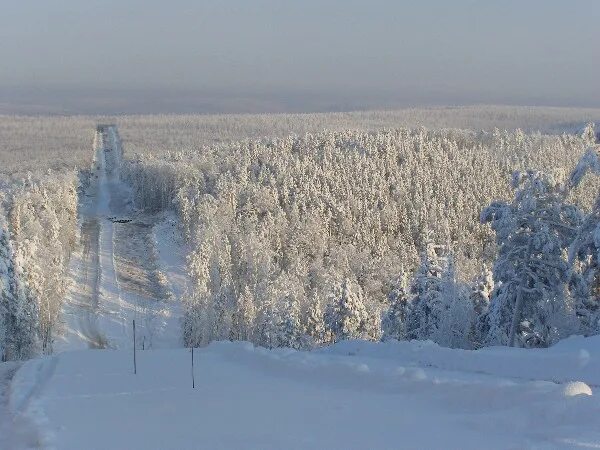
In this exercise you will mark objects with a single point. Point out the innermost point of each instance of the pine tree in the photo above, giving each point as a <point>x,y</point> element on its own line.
<point>269,326</point>
<point>315,323</point>
<point>480,296</point>
<point>425,307</point>
<point>482,290</point>
<point>6,283</point>
<point>533,233</point>
<point>584,283</point>
<point>456,315</point>
<point>584,253</point>
<point>244,317</point>
<point>346,316</point>
<point>292,335</point>
<point>589,134</point>
<point>394,320</point>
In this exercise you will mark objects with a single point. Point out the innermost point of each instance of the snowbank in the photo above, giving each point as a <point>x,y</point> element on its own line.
<point>353,395</point>
<point>573,359</point>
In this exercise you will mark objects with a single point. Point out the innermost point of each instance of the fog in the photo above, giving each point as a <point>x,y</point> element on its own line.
<point>69,56</point>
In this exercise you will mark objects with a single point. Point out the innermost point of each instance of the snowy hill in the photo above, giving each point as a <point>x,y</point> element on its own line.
<point>130,264</point>
<point>352,395</point>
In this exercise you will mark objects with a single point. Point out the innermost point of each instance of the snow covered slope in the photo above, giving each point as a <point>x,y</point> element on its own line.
<point>353,395</point>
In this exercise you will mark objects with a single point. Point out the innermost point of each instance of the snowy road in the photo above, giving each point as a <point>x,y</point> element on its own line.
<point>354,395</point>
<point>116,272</point>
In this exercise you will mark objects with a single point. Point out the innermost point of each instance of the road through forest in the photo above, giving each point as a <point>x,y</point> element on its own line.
<point>116,274</point>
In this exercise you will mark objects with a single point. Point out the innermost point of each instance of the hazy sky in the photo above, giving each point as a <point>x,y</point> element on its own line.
<point>324,53</point>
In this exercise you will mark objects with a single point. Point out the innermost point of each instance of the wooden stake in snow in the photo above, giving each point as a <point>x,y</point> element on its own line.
<point>134,361</point>
<point>193,378</point>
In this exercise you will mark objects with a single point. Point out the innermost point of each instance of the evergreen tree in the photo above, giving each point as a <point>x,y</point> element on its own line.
<point>244,317</point>
<point>315,323</point>
<point>584,253</point>
<point>6,283</point>
<point>589,134</point>
<point>533,233</point>
<point>292,335</point>
<point>480,296</point>
<point>394,320</point>
<point>425,307</point>
<point>482,290</point>
<point>269,325</point>
<point>346,316</point>
<point>457,316</point>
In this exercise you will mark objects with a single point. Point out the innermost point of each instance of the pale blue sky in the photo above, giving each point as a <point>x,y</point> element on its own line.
<point>370,51</point>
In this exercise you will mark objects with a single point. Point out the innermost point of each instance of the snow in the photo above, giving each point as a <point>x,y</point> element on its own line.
<point>352,395</point>
<point>577,388</point>
<point>569,360</point>
<point>108,291</point>
<point>171,253</point>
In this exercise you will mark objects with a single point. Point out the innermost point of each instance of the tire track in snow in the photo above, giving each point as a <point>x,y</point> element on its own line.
<point>83,305</point>
<point>117,276</point>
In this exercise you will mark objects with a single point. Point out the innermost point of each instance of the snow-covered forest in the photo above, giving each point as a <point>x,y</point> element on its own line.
<point>299,225</point>
<point>305,240</point>
<point>299,266</point>
<point>38,143</point>
<point>405,234</point>
<point>38,227</point>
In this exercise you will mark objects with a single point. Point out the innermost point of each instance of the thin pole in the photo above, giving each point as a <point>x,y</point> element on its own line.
<point>134,359</point>
<point>193,378</point>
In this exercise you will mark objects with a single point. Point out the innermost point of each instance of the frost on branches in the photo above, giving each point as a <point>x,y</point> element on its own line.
<point>533,232</point>
<point>18,311</point>
<point>275,225</point>
<point>584,253</point>
<point>393,322</point>
<point>346,316</point>
<point>439,308</point>
<point>38,224</point>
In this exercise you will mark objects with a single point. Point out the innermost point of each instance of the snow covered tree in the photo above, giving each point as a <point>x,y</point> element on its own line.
<point>336,204</point>
<point>426,288</point>
<point>194,334</point>
<point>315,323</point>
<point>584,253</point>
<point>482,290</point>
<point>197,321</point>
<point>456,316</point>
<point>269,326</point>
<point>394,320</point>
<point>6,283</point>
<point>244,316</point>
<point>346,316</point>
<point>292,334</point>
<point>19,310</point>
<point>589,134</point>
<point>480,296</point>
<point>532,233</point>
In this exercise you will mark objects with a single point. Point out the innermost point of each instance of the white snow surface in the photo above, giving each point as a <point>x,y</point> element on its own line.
<point>99,310</point>
<point>353,395</point>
